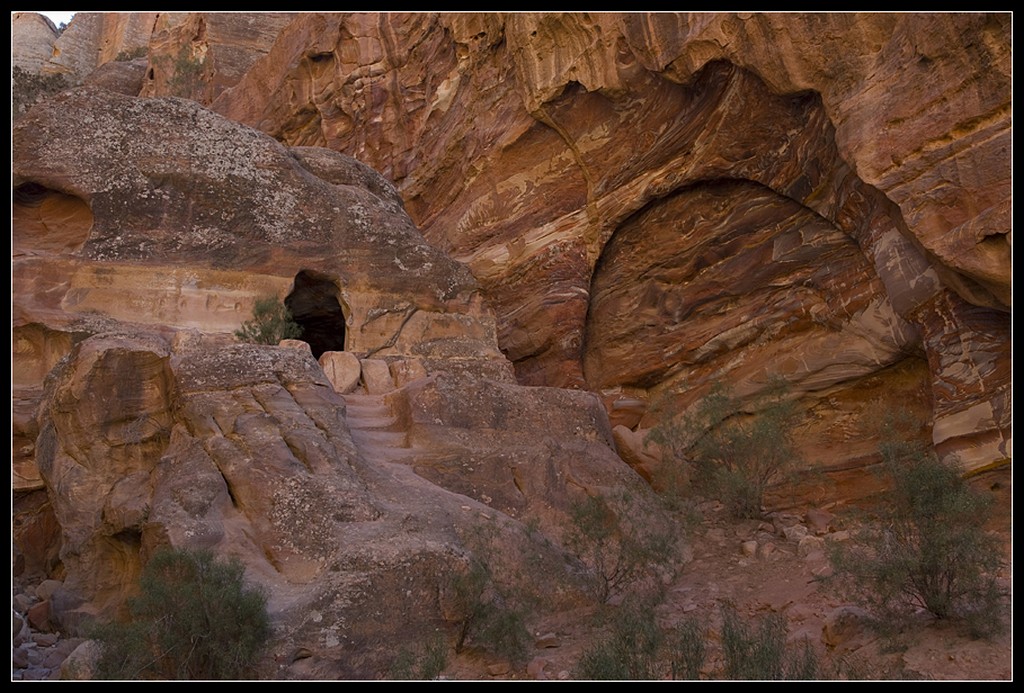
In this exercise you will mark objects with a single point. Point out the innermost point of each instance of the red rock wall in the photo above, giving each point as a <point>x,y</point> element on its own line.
<point>525,144</point>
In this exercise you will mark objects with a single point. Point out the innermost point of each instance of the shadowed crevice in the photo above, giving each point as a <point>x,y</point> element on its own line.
<point>315,306</point>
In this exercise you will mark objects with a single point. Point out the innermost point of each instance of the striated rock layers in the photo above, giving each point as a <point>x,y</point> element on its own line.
<point>525,144</point>
<point>144,230</point>
<point>649,204</point>
<point>198,55</point>
<point>654,203</point>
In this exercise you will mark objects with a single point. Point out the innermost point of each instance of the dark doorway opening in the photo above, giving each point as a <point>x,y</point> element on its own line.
<point>315,307</point>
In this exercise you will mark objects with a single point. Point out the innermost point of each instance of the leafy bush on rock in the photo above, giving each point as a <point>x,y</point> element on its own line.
<point>271,322</point>
<point>733,455</point>
<point>194,618</point>
<point>928,548</point>
<point>610,539</point>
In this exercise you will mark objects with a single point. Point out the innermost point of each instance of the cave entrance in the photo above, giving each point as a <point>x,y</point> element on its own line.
<point>315,306</point>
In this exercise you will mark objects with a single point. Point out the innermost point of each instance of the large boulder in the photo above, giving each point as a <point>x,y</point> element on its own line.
<point>137,257</point>
<point>248,451</point>
<point>94,239</point>
<point>32,38</point>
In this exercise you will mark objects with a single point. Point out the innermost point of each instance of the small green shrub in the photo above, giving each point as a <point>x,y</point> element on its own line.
<point>635,648</point>
<point>758,651</point>
<point>804,665</point>
<point>733,455</point>
<point>505,634</point>
<point>187,74</point>
<point>852,667</point>
<point>271,322</point>
<point>403,666</point>
<point>434,660</point>
<point>753,652</point>
<point>194,618</point>
<point>429,665</point>
<point>132,54</point>
<point>688,650</point>
<point>629,652</point>
<point>618,550</point>
<point>928,549</point>
<point>489,616</point>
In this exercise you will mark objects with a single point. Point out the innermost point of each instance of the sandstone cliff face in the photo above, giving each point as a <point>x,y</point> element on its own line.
<point>523,144</point>
<point>32,38</point>
<point>637,206</point>
<point>143,232</point>
<point>535,147</point>
<point>198,55</point>
<point>95,38</point>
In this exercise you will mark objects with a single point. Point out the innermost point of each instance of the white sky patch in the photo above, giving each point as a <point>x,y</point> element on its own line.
<point>58,17</point>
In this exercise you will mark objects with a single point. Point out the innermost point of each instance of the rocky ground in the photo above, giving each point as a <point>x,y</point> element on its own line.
<point>761,567</point>
<point>37,649</point>
<point>765,567</point>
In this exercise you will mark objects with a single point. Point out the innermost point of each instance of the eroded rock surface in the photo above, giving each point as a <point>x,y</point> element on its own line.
<point>32,38</point>
<point>92,39</point>
<point>183,223</point>
<point>650,204</point>
<point>248,450</point>
<point>525,143</point>
<point>198,55</point>
<point>141,421</point>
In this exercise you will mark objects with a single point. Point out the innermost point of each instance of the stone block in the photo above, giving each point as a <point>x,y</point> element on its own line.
<point>342,370</point>
<point>377,376</point>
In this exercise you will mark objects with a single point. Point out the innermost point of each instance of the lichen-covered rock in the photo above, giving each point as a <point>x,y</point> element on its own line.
<point>250,219</point>
<point>122,76</point>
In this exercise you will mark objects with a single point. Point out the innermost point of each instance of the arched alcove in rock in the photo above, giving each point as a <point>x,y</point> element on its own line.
<point>316,307</point>
<point>48,221</point>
